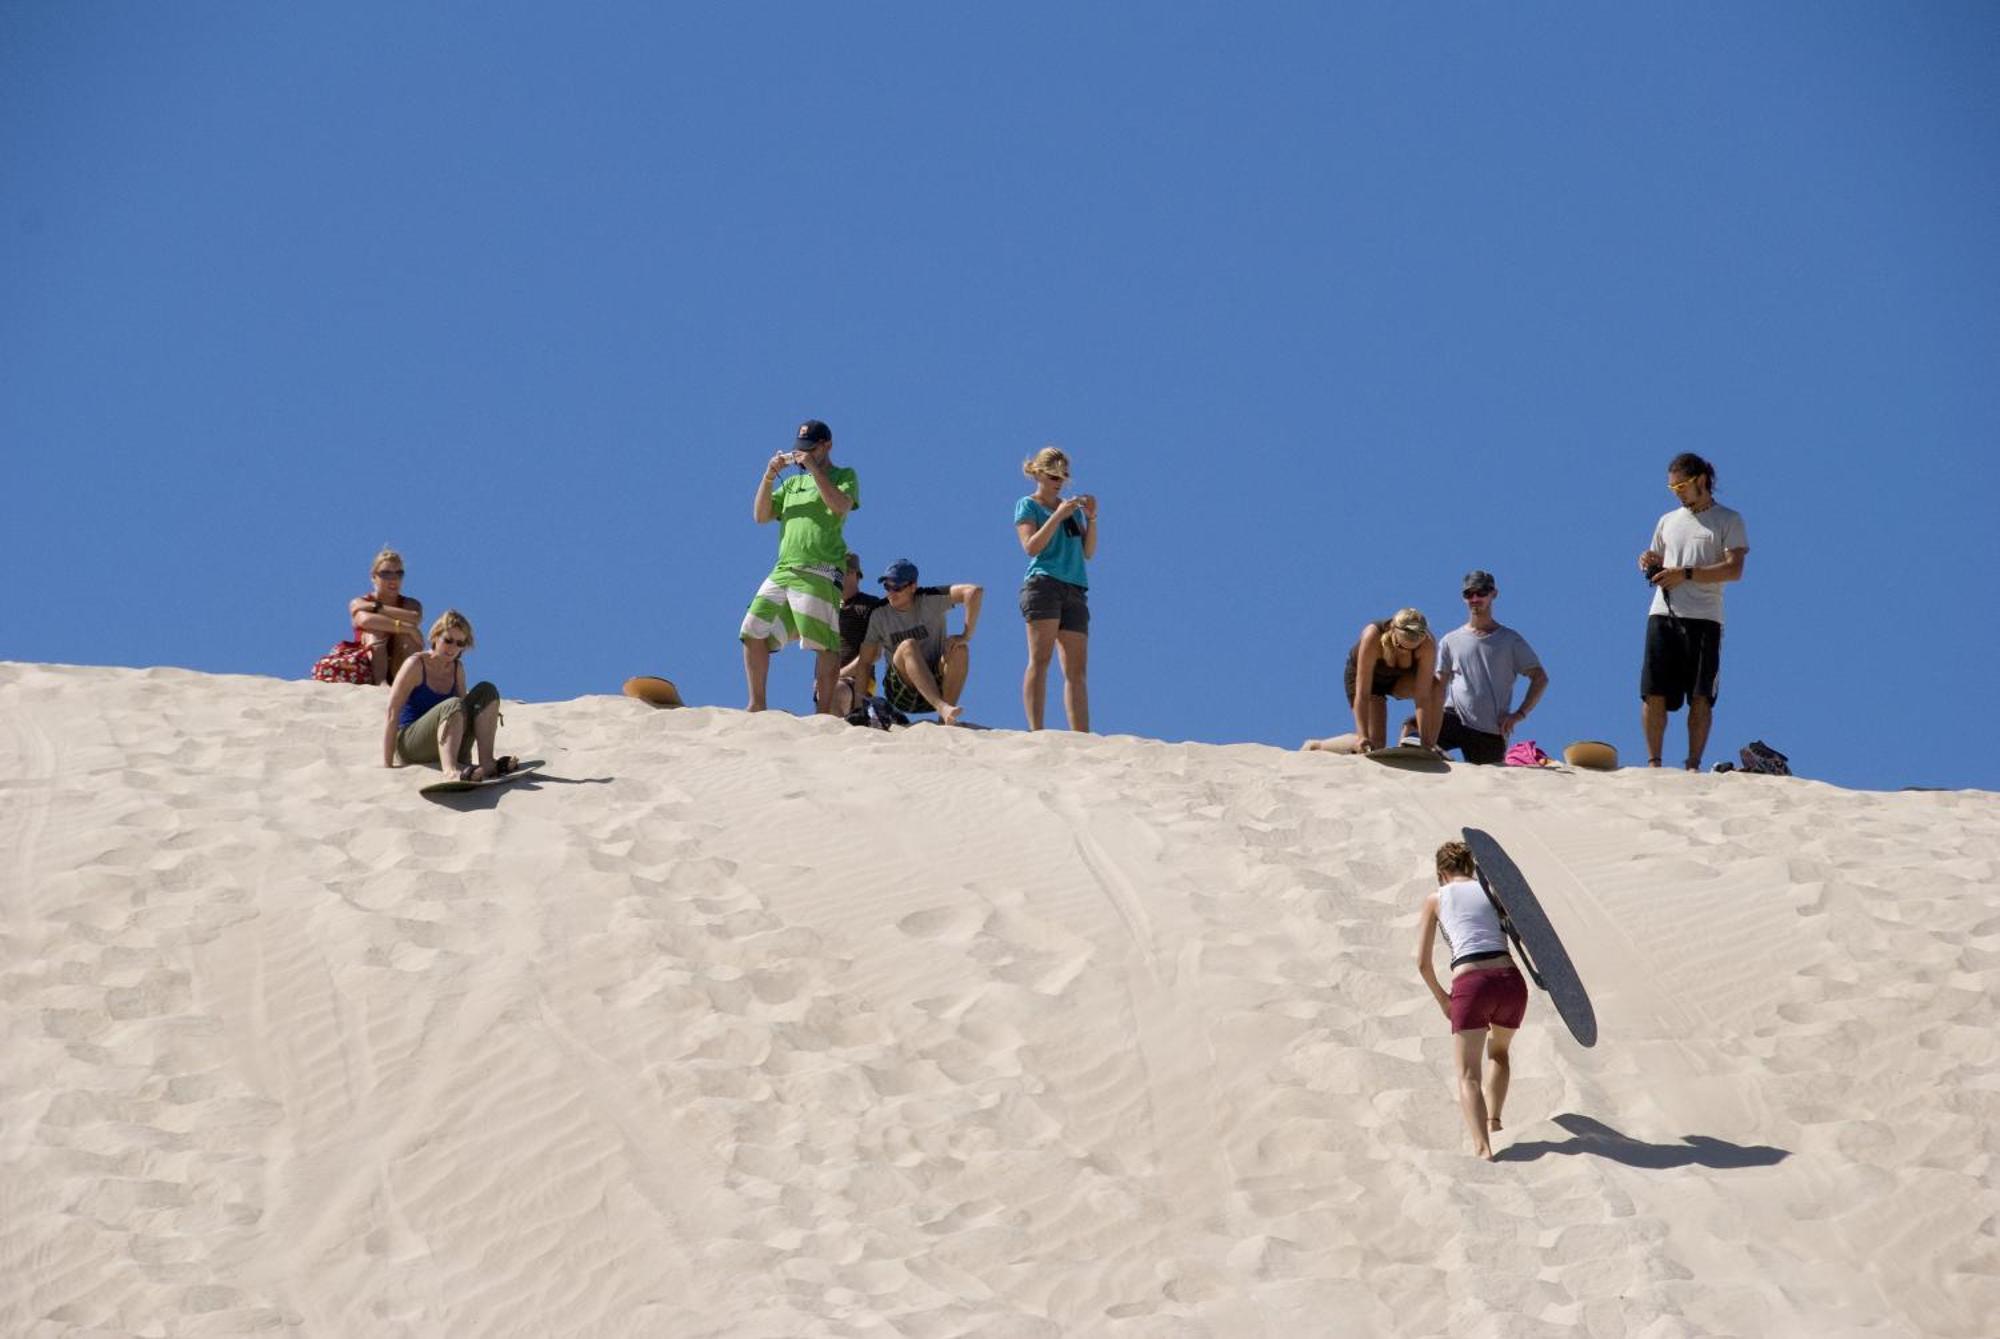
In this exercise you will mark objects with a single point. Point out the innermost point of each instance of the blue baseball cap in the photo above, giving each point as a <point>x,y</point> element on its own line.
<point>902,572</point>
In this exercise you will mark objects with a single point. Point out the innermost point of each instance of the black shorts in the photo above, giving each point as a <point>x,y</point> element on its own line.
<point>1476,745</point>
<point>902,696</point>
<point>1381,684</point>
<point>1044,596</point>
<point>1683,659</point>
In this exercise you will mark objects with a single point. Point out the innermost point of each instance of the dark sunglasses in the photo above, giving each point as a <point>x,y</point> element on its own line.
<point>1479,594</point>
<point>454,641</point>
<point>897,585</point>
<point>390,572</point>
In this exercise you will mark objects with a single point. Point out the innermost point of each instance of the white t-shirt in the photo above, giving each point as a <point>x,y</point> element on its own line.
<point>1469,922</point>
<point>1697,539</point>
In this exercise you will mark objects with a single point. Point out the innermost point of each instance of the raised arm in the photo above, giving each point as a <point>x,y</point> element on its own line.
<point>1714,574</point>
<point>761,508</point>
<point>1034,539</point>
<point>370,615</point>
<point>836,501</point>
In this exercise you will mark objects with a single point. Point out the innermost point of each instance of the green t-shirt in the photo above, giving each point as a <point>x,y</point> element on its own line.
<point>809,533</point>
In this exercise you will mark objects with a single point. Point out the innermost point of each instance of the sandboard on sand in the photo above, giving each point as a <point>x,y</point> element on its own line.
<point>523,768</point>
<point>659,692</point>
<point>1528,926</point>
<point>1411,758</point>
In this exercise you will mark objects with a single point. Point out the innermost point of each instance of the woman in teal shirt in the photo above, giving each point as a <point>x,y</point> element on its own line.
<point>1059,534</point>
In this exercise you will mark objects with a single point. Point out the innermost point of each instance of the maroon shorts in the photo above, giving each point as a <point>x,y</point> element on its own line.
<point>1488,997</point>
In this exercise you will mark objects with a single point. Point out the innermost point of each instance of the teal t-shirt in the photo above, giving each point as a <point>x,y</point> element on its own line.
<point>1062,558</point>
<point>809,534</point>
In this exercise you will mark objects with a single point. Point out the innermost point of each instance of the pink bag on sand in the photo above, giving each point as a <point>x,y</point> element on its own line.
<point>1528,753</point>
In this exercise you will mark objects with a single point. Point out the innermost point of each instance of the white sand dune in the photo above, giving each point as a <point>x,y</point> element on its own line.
<point>759,1026</point>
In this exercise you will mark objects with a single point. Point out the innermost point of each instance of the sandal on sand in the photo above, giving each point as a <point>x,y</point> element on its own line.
<point>467,772</point>
<point>1492,1122</point>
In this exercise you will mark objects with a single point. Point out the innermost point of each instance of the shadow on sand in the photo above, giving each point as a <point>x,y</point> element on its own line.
<point>1600,1140</point>
<point>486,797</point>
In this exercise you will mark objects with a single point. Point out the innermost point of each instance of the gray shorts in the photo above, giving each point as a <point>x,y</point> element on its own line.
<point>417,742</point>
<point>1044,597</point>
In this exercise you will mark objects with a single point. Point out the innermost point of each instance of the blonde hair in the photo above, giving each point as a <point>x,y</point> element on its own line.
<point>387,555</point>
<point>1406,620</point>
<point>1046,460</point>
<point>1455,858</point>
<point>448,620</point>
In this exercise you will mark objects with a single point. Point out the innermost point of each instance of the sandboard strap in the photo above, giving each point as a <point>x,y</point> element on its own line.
<point>1507,926</point>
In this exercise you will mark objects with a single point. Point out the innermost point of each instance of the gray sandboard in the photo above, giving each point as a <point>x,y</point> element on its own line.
<point>1528,926</point>
<point>1410,758</point>
<point>525,767</point>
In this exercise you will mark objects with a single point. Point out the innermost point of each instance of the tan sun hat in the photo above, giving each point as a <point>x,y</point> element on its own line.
<point>1592,754</point>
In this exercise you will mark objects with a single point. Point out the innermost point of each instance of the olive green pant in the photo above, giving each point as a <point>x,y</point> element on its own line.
<point>417,742</point>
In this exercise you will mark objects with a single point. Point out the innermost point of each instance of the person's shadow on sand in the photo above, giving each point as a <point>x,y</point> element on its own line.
<point>1595,1137</point>
<point>488,797</point>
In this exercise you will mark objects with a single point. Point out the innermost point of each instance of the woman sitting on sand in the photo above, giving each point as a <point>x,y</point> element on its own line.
<point>386,620</point>
<point>429,709</point>
<point>1394,657</point>
<point>1488,996</point>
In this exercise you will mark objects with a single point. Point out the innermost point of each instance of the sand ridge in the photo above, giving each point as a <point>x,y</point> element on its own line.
<point>760,1026</point>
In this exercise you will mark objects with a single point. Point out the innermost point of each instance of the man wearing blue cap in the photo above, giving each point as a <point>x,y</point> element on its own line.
<point>927,667</point>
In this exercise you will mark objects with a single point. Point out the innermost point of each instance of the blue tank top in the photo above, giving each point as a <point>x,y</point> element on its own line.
<point>423,697</point>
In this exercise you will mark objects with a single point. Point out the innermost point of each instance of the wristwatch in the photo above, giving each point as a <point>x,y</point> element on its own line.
<point>1687,574</point>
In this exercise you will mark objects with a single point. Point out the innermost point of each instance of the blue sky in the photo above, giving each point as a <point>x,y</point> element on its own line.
<point>1327,303</point>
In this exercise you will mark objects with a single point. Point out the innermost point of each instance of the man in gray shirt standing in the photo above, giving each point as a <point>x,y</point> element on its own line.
<point>1477,665</point>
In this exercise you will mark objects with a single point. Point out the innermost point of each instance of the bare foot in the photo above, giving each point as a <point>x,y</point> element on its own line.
<point>949,713</point>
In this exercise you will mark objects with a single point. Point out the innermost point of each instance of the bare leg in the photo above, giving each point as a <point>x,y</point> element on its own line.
<point>1074,649</point>
<point>1498,1071</point>
<point>1035,683</point>
<point>1700,711</point>
<point>756,670</point>
<point>378,656</point>
<point>451,733</point>
<point>1467,1048</point>
<point>1653,718</point>
<point>916,672</point>
<point>957,669</point>
<point>826,672</point>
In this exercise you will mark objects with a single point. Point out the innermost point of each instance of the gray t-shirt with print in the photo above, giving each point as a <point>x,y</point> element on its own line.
<point>924,621</point>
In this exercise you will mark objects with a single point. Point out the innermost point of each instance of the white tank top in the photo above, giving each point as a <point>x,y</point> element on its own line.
<point>1470,924</point>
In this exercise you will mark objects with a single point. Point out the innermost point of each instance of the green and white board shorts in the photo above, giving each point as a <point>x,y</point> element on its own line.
<point>799,604</point>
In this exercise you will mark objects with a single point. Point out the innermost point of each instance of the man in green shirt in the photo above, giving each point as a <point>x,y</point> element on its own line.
<point>801,597</point>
